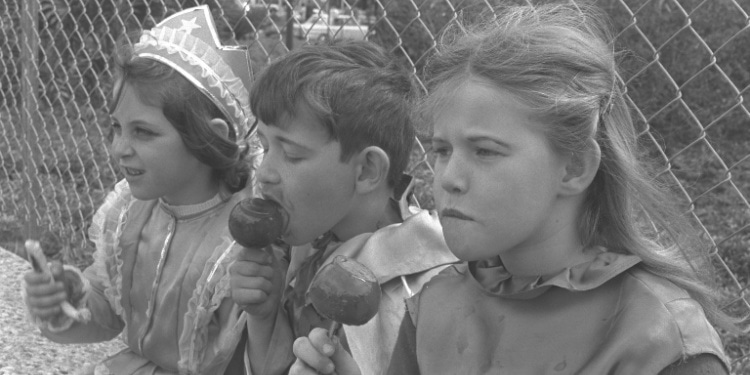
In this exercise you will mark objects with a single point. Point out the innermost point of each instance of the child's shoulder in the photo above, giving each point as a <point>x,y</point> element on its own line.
<point>118,197</point>
<point>415,249</point>
<point>109,214</point>
<point>451,277</point>
<point>637,281</point>
<point>650,305</point>
<point>422,225</point>
<point>413,246</point>
<point>659,300</point>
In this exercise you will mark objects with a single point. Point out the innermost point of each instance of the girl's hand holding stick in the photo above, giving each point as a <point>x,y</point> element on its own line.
<point>74,286</point>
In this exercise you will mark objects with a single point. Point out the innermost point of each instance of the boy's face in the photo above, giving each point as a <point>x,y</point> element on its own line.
<point>302,171</point>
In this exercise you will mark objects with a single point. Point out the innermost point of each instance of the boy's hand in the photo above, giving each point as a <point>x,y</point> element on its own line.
<point>319,354</point>
<point>256,282</point>
<point>43,297</point>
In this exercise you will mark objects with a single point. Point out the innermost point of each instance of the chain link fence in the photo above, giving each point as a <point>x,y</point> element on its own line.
<point>686,71</point>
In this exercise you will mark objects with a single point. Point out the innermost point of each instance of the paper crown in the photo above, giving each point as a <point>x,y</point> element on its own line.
<point>187,41</point>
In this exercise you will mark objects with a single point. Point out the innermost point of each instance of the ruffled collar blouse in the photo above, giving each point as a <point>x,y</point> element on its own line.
<point>604,316</point>
<point>496,280</point>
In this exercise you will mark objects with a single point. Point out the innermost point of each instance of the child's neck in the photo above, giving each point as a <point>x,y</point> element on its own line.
<point>370,214</point>
<point>557,249</point>
<point>545,262</point>
<point>198,193</point>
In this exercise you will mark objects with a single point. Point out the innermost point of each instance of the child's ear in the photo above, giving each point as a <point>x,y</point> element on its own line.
<point>580,169</point>
<point>372,169</point>
<point>220,127</point>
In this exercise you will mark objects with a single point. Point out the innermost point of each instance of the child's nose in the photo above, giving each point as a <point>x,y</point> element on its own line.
<point>453,177</point>
<point>267,174</point>
<point>121,147</point>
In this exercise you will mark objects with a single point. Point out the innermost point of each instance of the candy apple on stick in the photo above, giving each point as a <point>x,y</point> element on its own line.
<point>256,222</point>
<point>345,291</point>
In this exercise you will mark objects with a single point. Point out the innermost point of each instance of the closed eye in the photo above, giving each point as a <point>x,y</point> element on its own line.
<point>485,152</point>
<point>139,131</point>
<point>293,159</point>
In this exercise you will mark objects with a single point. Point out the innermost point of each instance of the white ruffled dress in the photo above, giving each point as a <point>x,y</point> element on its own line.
<point>160,280</point>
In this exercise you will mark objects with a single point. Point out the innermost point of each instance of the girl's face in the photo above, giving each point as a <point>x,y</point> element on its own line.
<point>496,178</point>
<point>302,171</point>
<point>153,157</point>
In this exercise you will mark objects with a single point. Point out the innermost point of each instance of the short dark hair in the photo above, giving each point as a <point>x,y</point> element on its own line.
<point>355,89</point>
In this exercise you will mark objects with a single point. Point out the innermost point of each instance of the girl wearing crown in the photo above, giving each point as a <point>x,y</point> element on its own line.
<point>159,277</point>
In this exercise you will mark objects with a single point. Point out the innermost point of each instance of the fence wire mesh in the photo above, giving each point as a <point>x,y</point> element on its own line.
<point>686,71</point>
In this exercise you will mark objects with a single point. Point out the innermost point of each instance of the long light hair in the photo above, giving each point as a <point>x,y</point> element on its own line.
<point>558,59</point>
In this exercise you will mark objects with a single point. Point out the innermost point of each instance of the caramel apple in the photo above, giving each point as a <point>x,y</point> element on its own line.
<point>256,222</point>
<point>345,291</point>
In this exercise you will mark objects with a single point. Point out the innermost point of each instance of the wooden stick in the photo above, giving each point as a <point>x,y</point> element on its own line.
<point>333,330</point>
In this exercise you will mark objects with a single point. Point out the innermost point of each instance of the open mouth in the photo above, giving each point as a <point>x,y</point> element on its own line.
<point>131,172</point>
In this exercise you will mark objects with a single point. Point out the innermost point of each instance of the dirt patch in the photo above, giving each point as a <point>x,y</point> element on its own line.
<point>22,349</point>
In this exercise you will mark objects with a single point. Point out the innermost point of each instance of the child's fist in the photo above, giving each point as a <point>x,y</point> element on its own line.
<point>256,281</point>
<point>54,293</point>
<point>43,294</point>
<point>320,354</point>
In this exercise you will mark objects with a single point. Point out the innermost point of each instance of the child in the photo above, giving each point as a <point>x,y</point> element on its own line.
<point>538,188</point>
<point>336,128</point>
<point>159,275</point>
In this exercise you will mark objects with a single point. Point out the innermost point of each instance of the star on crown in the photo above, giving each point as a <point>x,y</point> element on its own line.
<point>188,42</point>
<point>189,25</point>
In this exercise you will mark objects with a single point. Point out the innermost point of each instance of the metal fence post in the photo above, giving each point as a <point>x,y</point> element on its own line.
<point>289,30</point>
<point>30,118</point>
